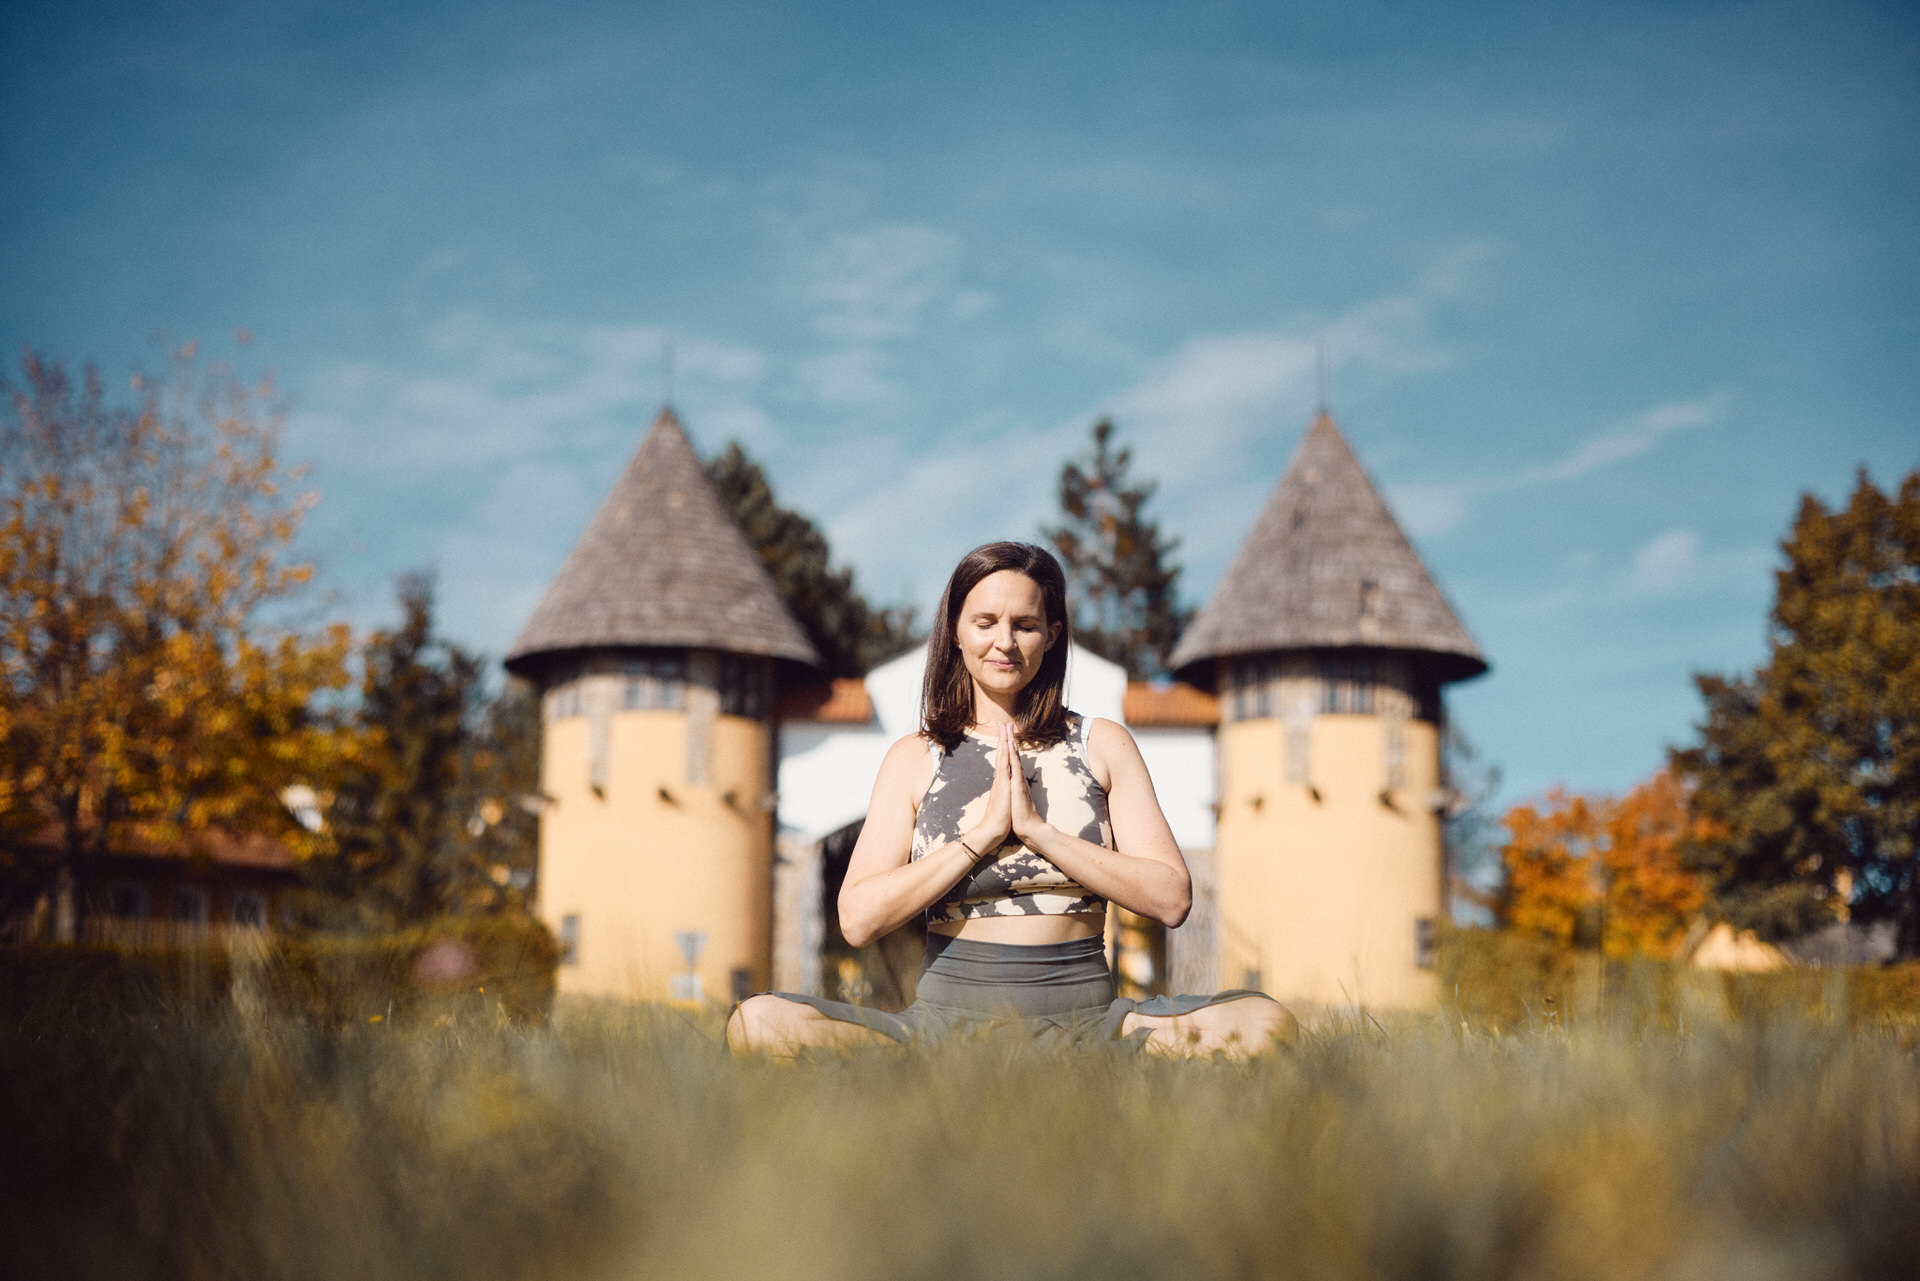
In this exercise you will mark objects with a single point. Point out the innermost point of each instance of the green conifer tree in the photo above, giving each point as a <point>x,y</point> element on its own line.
<point>1121,571</point>
<point>1810,767</point>
<point>850,634</point>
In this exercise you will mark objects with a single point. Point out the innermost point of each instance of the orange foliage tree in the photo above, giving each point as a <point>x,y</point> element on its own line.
<point>143,696</point>
<point>1596,871</point>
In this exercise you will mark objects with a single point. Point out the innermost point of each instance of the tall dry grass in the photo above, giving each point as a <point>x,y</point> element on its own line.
<point>617,1144</point>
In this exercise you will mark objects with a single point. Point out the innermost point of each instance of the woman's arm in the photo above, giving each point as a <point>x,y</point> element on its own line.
<point>884,889</point>
<point>1144,872</point>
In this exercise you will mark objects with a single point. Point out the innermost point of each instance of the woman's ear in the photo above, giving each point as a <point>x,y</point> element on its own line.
<point>1053,634</point>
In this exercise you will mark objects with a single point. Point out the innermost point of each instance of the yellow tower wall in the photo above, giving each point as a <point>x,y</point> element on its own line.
<point>1320,898</point>
<point>650,854</point>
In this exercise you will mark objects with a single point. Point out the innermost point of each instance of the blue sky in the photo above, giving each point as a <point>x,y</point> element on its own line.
<point>1604,288</point>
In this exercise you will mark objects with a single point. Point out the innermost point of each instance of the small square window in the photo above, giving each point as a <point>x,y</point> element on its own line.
<point>128,901</point>
<point>250,909</point>
<point>1426,943</point>
<point>190,905</point>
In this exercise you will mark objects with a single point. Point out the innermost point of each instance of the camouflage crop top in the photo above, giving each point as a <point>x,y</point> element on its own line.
<point>1013,880</point>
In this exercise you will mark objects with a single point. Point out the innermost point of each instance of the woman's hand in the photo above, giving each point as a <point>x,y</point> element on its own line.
<point>1142,871</point>
<point>1023,819</point>
<point>988,834</point>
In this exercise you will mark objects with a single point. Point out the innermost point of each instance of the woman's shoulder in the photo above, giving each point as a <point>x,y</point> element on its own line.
<point>911,756</point>
<point>914,746</point>
<point>1095,729</point>
<point>907,769</point>
<point>1107,740</point>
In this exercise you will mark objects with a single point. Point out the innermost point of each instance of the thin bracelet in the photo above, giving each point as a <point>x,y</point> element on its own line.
<point>961,841</point>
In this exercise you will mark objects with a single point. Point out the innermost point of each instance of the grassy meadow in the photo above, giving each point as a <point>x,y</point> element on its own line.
<point>195,1141</point>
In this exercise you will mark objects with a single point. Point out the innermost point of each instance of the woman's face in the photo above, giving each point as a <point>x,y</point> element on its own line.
<point>1003,632</point>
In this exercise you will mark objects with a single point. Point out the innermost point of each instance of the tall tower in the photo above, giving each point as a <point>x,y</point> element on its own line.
<point>1329,643</point>
<point>654,651</point>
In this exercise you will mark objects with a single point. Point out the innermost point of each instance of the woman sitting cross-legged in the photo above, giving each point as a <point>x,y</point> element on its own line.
<point>1010,822</point>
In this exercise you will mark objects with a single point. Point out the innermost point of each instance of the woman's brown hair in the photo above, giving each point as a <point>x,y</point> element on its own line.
<point>946,697</point>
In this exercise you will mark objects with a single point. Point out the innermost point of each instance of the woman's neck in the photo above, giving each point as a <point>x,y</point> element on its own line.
<point>991,713</point>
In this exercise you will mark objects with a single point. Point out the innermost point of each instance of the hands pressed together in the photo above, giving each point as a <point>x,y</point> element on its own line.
<point>1010,808</point>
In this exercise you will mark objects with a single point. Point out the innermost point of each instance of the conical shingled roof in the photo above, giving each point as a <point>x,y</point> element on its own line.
<point>662,563</point>
<point>1328,567</point>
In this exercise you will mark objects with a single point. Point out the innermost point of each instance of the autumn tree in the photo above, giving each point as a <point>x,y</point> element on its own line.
<point>1810,766</point>
<point>851,635</point>
<point>1119,567</point>
<point>145,697</point>
<point>1606,873</point>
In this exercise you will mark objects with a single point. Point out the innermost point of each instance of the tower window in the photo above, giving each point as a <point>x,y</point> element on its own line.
<point>657,683</point>
<point>564,701</point>
<point>1252,693</point>
<point>743,686</point>
<point>570,939</point>
<point>1347,684</point>
<point>1426,943</point>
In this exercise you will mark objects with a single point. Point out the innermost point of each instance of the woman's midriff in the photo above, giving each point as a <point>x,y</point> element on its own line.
<point>1024,929</point>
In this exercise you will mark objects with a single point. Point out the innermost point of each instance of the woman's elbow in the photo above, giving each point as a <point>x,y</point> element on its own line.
<point>855,926</point>
<point>1178,906</point>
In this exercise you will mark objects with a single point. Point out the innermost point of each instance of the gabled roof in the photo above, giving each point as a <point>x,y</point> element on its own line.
<point>842,701</point>
<point>662,563</point>
<point>1327,567</point>
<point>1174,703</point>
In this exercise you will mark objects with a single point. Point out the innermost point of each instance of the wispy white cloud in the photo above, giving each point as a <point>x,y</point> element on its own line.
<point>482,450</point>
<point>1676,561</point>
<point>849,378</point>
<point>1190,418</point>
<point>1632,438</point>
<point>879,283</point>
<point>868,292</point>
<point>1435,507</point>
<point>480,394</point>
<point>1226,388</point>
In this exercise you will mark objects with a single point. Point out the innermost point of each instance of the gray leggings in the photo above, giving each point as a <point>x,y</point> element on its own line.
<point>1062,991</point>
